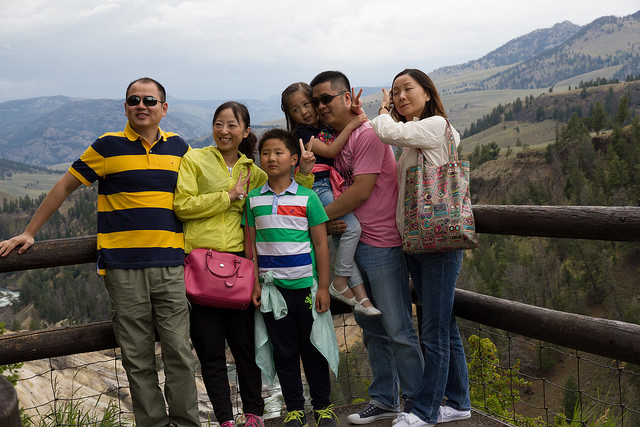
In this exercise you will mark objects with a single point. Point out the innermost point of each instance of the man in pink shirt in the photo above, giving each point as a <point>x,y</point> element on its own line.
<point>371,191</point>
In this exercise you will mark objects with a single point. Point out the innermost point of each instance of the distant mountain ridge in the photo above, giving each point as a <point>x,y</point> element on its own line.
<point>52,130</point>
<point>532,44</point>
<point>609,44</point>
<point>522,48</point>
<point>563,54</point>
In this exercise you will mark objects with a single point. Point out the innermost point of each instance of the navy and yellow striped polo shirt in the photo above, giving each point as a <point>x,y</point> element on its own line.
<point>136,224</point>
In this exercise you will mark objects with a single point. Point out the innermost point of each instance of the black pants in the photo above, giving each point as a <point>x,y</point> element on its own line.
<point>291,342</point>
<point>210,327</point>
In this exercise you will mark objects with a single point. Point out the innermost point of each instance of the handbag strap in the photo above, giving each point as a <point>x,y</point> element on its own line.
<point>245,217</point>
<point>453,153</point>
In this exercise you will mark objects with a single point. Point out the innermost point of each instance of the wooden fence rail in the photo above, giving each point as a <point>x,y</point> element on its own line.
<point>577,222</point>
<point>609,338</point>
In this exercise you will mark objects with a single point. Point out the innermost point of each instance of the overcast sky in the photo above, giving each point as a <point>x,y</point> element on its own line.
<point>239,49</point>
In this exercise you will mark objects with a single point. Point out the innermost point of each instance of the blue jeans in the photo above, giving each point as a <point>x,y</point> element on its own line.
<point>434,277</point>
<point>347,242</point>
<point>392,344</point>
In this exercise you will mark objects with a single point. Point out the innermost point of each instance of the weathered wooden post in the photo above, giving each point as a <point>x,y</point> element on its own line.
<point>9,415</point>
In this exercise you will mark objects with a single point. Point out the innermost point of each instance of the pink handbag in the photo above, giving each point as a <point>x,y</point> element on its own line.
<point>219,279</point>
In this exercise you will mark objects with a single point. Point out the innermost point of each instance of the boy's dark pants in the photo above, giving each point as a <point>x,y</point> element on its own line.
<point>291,342</point>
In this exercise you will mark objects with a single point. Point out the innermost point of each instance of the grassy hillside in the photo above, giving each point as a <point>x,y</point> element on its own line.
<point>465,108</point>
<point>19,179</point>
<point>462,108</point>
<point>518,136</point>
<point>510,159</point>
<point>555,105</point>
<point>25,183</point>
<point>607,34</point>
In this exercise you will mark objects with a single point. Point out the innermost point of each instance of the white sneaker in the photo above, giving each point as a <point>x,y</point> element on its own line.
<point>410,420</point>
<point>400,417</point>
<point>447,413</point>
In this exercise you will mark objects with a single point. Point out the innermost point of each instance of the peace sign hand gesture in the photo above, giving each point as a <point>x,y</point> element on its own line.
<point>307,158</point>
<point>237,191</point>
<point>356,102</point>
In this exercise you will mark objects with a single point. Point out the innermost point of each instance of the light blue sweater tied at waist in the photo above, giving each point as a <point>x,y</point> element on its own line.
<point>323,334</point>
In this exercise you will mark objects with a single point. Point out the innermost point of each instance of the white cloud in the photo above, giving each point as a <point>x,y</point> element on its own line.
<point>217,49</point>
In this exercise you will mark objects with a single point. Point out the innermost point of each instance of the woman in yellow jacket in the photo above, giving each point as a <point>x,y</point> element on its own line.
<point>212,183</point>
<point>209,199</point>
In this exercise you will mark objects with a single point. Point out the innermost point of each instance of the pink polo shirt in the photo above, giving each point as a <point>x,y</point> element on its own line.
<point>364,153</point>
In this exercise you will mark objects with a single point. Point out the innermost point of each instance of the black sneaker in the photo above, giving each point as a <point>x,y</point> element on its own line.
<point>326,417</point>
<point>295,419</point>
<point>370,414</point>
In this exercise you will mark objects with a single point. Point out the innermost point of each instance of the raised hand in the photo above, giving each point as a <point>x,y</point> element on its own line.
<point>387,101</point>
<point>237,191</point>
<point>307,158</point>
<point>356,102</point>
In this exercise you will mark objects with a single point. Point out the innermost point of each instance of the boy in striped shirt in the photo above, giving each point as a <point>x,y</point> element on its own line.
<point>288,223</point>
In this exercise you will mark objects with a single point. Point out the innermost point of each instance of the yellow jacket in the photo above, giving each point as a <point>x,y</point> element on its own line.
<point>201,199</point>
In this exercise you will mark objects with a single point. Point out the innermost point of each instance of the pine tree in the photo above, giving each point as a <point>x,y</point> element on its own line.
<point>622,113</point>
<point>599,118</point>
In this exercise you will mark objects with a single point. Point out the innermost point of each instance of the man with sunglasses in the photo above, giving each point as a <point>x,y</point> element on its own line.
<point>140,252</point>
<point>368,168</point>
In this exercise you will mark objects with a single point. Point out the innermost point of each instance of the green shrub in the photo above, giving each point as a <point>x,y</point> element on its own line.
<point>494,388</point>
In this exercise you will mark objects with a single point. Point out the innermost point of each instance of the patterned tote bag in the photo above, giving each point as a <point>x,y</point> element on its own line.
<point>437,206</point>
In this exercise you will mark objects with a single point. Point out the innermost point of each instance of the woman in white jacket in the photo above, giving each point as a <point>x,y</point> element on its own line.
<point>412,116</point>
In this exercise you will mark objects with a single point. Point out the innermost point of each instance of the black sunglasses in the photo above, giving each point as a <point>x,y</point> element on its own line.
<point>134,100</point>
<point>325,99</point>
